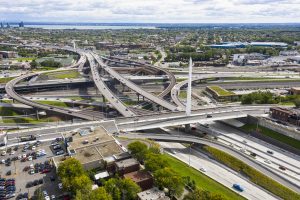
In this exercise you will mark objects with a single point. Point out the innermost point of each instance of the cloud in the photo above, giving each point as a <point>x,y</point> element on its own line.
<point>195,11</point>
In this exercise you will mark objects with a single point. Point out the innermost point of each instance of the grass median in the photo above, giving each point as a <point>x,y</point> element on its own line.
<point>253,175</point>
<point>273,134</point>
<point>201,180</point>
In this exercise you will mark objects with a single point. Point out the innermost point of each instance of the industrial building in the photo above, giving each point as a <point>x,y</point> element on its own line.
<point>93,148</point>
<point>251,59</point>
<point>231,45</point>
<point>291,116</point>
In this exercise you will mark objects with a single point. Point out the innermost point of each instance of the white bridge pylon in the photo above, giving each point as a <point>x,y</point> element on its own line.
<point>188,108</point>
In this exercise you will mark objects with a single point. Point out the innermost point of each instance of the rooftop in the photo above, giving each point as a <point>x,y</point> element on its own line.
<point>138,176</point>
<point>126,163</point>
<point>95,144</point>
<point>152,194</point>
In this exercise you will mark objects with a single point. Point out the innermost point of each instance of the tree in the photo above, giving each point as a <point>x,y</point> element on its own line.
<point>122,188</point>
<point>74,177</point>
<point>203,195</point>
<point>297,102</point>
<point>33,64</point>
<point>167,178</point>
<point>39,194</point>
<point>138,150</point>
<point>70,168</point>
<point>82,183</point>
<point>155,162</point>
<point>99,194</point>
<point>112,187</point>
<point>129,189</point>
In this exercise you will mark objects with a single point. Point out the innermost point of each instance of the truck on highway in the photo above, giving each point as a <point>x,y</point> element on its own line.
<point>27,138</point>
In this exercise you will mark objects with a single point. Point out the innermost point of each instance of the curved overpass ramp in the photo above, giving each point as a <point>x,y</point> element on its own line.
<point>150,67</point>
<point>9,88</point>
<point>106,92</point>
<point>135,87</point>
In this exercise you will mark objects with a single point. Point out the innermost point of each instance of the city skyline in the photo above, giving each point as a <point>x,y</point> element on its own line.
<point>133,11</point>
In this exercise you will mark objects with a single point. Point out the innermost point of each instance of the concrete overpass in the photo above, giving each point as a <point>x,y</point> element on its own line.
<point>106,92</point>
<point>134,87</point>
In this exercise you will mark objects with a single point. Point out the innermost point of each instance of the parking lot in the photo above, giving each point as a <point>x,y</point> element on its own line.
<point>31,167</point>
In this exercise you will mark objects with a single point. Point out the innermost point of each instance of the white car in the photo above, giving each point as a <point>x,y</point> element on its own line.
<point>33,148</point>
<point>3,161</point>
<point>19,157</point>
<point>203,169</point>
<point>24,156</point>
<point>3,153</point>
<point>53,196</point>
<point>173,151</point>
<point>60,186</point>
<point>30,158</point>
<point>12,153</point>
<point>268,161</point>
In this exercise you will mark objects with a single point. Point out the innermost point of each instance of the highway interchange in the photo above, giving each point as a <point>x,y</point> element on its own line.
<point>171,114</point>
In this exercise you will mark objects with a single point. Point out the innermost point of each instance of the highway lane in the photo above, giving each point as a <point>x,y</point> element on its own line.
<point>156,120</point>
<point>216,171</point>
<point>135,87</point>
<point>249,144</point>
<point>247,159</point>
<point>106,92</point>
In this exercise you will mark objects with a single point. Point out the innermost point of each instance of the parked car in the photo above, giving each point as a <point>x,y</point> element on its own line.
<point>60,152</point>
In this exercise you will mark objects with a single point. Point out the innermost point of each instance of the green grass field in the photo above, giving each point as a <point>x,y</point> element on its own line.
<point>6,111</point>
<point>220,91</point>
<point>201,180</point>
<point>6,79</point>
<point>182,94</point>
<point>64,74</point>
<point>272,134</point>
<point>24,59</point>
<point>53,103</point>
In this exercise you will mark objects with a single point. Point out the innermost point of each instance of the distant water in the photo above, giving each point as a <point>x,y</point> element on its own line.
<point>85,27</point>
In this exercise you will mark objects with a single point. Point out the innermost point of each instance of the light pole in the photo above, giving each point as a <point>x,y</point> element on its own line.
<point>190,154</point>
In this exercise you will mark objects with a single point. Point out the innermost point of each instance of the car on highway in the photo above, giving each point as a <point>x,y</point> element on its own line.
<point>238,187</point>
<point>203,169</point>
<point>282,167</point>
<point>267,161</point>
<point>270,152</point>
<point>173,151</point>
<point>209,116</point>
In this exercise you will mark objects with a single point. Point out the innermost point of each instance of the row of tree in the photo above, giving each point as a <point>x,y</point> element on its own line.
<point>267,97</point>
<point>76,181</point>
<point>164,175</point>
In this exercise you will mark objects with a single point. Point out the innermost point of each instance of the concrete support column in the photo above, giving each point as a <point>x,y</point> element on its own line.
<point>37,114</point>
<point>187,128</point>
<point>103,99</point>
<point>138,96</point>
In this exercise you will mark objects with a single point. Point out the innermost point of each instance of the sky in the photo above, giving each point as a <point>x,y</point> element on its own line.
<point>151,11</point>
